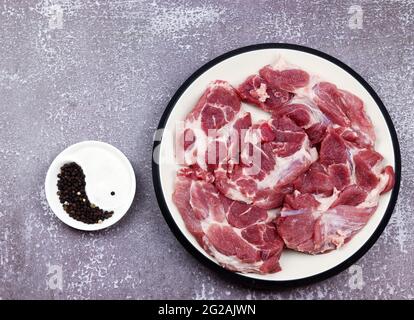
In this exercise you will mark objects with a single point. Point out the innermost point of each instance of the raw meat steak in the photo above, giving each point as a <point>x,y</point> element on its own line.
<point>344,109</point>
<point>239,236</point>
<point>305,114</point>
<point>274,86</point>
<point>282,153</point>
<point>289,79</point>
<point>335,198</point>
<point>257,91</point>
<point>216,113</point>
<point>318,231</point>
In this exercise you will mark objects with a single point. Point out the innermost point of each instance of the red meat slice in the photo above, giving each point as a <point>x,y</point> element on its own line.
<point>300,201</point>
<point>329,101</point>
<point>264,181</point>
<point>288,80</point>
<point>257,91</point>
<point>370,157</point>
<point>315,180</point>
<point>298,113</point>
<point>317,232</point>
<point>206,202</point>
<point>355,138</point>
<point>224,147</point>
<point>217,108</point>
<point>352,195</point>
<point>297,230</point>
<point>364,162</point>
<point>316,133</point>
<point>389,172</point>
<point>266,238</point>
<point>227,242</point>
<point>241,215</point>
<point>340,175</point>
<point>181,198</point>
<point>344,109</point>
<point>333,149</point>
<point>239,236</point>
<point>305,114</point>
<point>354,109</point>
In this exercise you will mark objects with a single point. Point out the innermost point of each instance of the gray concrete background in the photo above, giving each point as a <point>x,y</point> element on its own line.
<point>105,70</point>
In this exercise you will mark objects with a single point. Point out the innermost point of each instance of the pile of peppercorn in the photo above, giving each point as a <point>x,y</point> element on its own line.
<point>71,185</point>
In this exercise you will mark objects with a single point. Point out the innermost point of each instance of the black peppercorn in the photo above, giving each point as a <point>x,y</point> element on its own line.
<point>71,185</point>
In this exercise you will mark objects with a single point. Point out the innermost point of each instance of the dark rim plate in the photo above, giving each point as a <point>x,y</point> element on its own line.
<point>277,283</point>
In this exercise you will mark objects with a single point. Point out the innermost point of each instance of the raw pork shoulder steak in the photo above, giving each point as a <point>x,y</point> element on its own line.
<point>209,126</point>
<point>307,178</point>
<point>284,153</point>
<point>335,198</point>
<point>239,236</point>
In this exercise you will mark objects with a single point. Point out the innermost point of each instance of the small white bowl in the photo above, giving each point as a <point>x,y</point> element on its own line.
<point>106,170</point>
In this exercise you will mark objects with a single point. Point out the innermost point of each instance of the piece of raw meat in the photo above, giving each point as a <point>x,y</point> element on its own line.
<point>274,86</point>
<point>282,152</point>
<point>239,236</point>
<point>317,231</point>
<point>289,79</point>
<point>305,114</point>
<point>335,198</point>
<point>216,111</point>
<point>344,109</point>
<point>257,91</point>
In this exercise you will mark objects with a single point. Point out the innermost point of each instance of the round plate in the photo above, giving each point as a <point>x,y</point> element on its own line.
<point>235,67</point>
<point>106,169</point>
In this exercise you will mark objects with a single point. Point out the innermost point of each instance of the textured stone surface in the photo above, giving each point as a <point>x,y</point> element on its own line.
<point>105,70</point>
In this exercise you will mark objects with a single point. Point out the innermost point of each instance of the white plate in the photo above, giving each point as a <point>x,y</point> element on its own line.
<point>106,169</point>
<point>235,67</point>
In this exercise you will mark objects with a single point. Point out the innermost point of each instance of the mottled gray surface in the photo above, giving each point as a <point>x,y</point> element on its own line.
<point>105,70</point>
